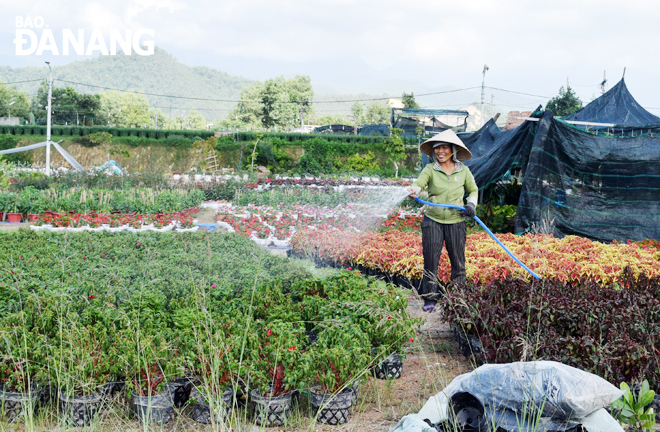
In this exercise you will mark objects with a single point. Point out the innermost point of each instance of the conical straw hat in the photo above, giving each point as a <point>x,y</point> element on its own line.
<point>446,137</point>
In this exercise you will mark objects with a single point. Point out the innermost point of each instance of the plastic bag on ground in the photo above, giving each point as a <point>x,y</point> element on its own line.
<point>526,396</point>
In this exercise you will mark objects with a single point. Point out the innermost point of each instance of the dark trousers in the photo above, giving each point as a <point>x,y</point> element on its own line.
<point>434,234</point>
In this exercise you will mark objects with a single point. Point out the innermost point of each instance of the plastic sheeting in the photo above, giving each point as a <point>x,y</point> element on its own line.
<point>522,397</point>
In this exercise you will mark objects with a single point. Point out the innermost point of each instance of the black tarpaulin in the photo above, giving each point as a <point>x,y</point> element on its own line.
<point>603,187</point>
<point>619,107</point>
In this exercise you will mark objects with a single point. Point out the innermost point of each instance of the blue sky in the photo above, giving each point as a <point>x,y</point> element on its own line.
<point>529,46</point>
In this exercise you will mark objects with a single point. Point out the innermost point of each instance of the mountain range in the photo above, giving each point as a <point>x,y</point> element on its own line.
<point>175,87</point>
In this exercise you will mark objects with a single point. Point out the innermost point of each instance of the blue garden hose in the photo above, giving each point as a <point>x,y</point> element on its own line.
<point>487,230</point>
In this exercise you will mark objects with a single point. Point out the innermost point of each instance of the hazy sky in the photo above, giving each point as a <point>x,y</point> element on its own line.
<point>529,46</point>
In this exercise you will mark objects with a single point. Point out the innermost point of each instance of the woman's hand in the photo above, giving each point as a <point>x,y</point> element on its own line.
<point>469,211</point>
<point>413,191</point>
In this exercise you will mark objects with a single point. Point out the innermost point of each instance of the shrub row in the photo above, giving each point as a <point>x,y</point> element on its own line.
<point>83,200</point>
<point>606,330</point>
<point>115,132</point>
<point>362,139</point>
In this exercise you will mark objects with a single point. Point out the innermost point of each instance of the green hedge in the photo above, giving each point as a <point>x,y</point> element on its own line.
<point>64,131</point>
<point>361,139</point>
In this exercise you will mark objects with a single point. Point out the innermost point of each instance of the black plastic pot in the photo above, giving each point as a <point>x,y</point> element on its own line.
<point>81,410</point>
<point>469,414</point>
<point>179,389</point>
<point>270,411</point>
<point>17,404</point>
<point>154,409</point>
<point>201,411</point>
<point>332,409</point>
<point>468,344</point>
<point>47,393</point>
<point>356,391</point>
<point>312,336</point>
<point>391,367</point>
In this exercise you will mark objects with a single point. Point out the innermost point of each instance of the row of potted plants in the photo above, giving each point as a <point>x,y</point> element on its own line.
<point>276,225</point>
<point>83,200</point>
<point>80,312</point>
<point>568,260</point>
<point>181,221</point>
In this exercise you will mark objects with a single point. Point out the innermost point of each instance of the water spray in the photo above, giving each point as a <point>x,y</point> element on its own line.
<point>486,229</point>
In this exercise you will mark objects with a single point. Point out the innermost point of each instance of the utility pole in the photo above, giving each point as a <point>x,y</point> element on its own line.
<point>603,85</point>
<point>483,81</point>
<point>48,120</point>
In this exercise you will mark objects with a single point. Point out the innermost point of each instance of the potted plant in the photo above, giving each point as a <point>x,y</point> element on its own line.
<point>276,370</point>
<point>15,202</point>
<point>338,358</point>
<point>20,370</point>
<point>146,352</point>
<point>83,365</point>
<point>214,341</point>
<point>186,224</point>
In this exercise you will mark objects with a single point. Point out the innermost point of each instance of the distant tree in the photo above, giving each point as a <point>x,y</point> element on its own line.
<point>68,106</point>
<point>195,120</point>
<point>276,102</point>
<point>21,103</point>
<point>126,109</point>
<point>395,148</point>
<point>357,110</point>
<point>377,114</point>
<point>565,103</point>
<point>272,98</point>
<point>328,119</point>
<point>409,100</point>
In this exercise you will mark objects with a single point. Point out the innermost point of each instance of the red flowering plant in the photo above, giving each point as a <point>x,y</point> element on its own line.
<point>94,221</point>
<point>162,222</point>
<point>186,222</point>
<point>275,368</point>
<point>116,221</point>
<point>135,222</point>
<point>261,231</point>
<point>339,356</point>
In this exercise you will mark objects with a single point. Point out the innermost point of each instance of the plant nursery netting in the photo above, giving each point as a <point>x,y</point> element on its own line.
<point>603,187</point>
<point>519,397</point>
<point>619,107</point>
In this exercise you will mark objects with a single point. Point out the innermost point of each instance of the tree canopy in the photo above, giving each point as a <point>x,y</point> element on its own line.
<point>409,100</point>
<point>565,103</point>
<point>276,102</point>
<point>21,103</point>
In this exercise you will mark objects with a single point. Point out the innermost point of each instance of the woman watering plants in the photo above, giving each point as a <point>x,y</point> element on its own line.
<point>447,180</point>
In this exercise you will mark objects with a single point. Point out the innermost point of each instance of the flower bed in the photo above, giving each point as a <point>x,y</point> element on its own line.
<point>147,309</point>
<point>83,200</point>
<point>568,260</point>
<point>279,224</point>
<point>603,329</point>
<point>115,222</point>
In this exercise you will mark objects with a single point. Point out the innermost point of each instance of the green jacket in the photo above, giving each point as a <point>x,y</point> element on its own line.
<point>447,189</point>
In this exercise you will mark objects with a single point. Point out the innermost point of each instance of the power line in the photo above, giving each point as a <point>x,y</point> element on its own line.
<point>520,93</point>
<point>151,94</point>
<point>19,82</point>
<point>281,102</point>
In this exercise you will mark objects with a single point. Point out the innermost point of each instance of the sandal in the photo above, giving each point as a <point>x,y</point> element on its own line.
<point>429,308</point>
